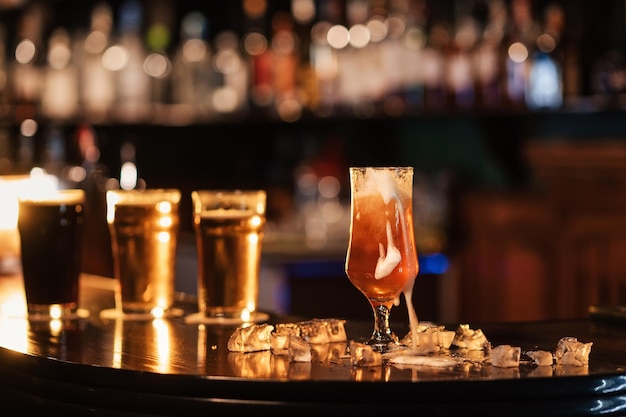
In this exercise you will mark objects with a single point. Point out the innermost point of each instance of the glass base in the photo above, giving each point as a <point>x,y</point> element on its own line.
<point>199,318</point>
<point>382,342</point>
<point>115,313</point>
<point>47,312</point>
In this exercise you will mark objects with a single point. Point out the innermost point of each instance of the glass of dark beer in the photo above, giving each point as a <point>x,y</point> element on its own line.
<point>51,232</point>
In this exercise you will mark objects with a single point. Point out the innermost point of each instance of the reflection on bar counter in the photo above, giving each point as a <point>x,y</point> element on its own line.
<point>168,63</point>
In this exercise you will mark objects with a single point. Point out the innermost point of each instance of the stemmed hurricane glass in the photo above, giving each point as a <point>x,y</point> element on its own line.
<point>381,260</point>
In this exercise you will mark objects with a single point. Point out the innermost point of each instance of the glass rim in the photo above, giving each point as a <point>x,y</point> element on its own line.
<point>382,167</point>
<point>143,196</point>
<point>145,190</point>
<point>229,192</point>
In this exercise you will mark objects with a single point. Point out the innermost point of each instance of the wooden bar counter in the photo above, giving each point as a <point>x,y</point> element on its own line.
<point>108,367</point>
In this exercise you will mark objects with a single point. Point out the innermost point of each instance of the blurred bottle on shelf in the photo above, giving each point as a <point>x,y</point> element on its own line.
<point>25,66</point>
<point>231,90</point>
<point>460,71</point>
<point>284,54</point>
<point>59,90</point>
<point>487,55</point>
<point>126,57</point>
<point>545,76</point>
<point>157,64</point>
<point>4,76</point>
<point>97,86</point>
<point>434,67</point>
<point>192,74</point>
<point>256,45</point>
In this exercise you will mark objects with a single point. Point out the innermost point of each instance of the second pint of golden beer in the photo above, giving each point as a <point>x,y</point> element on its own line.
<point>229,230</point>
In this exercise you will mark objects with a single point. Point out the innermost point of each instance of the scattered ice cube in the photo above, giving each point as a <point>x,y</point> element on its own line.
<point>314,331</point>
<point>253,338</point>
<point>336,330</point>
<point>505,356</point>
<point>279,343</point>
<point>541,357</point>
<point>430,338</point>
<point>287,328</point>
<point>299,349</point>
<point>363,355</point>
<point>279,338</point>
<point>465,337</point>
<point>569,351</point>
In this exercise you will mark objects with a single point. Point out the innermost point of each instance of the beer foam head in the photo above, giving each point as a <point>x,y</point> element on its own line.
<point>68,196</point>
<point>246,202</point>
<point>163,198</point>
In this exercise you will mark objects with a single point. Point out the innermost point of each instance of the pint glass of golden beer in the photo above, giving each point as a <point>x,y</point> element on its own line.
<point>228,226</point>
<point>144,229</point>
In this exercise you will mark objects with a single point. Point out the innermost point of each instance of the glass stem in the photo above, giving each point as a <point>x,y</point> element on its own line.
<point>382,335</point>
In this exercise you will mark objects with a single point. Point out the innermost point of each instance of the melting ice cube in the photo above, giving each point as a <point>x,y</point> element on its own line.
<point>252,338</point>
<point>363,355</point>
<point>505,356</point>
<point>569,351</point>
<point>299,349</point>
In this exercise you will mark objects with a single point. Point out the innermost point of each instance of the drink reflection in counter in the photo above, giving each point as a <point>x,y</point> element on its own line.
<point>143,345</point>
<point>212,354</point>
<point>371,373</point>
<point>215,359</point>
<point>251,364</point>
<point>264,364</point>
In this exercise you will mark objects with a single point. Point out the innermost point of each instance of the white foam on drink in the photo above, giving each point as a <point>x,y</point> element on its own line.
<point>381,182</point>
<point>54,197</point>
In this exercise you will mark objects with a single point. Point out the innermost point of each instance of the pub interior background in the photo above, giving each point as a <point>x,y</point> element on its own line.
<point>511,112</point>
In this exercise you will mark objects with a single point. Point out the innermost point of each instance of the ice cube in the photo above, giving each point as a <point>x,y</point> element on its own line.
<point>363,355</point>
<point>505,356</point>
<point>569,351</point>
<point>541,357</point>
<point>445,338</point>
<point>279,343</point>
<point>314,331</point>
<point>287,328</point>
<point>253,338</point>
<point>336,330</point>
<point>468,338</point>
<point>431,337</point>
<point>279,338</point>
<point>299,349</point>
